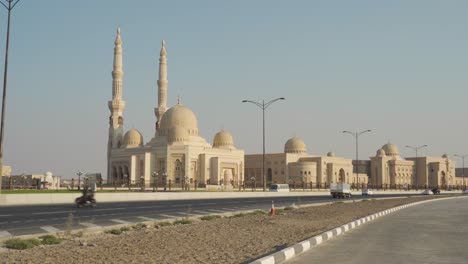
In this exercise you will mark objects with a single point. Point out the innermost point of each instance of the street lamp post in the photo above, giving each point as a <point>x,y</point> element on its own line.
<point>416,148</point>
<point>463,168</point>
<point>356,136</point>
<point>154,181</point>
<point>79,173</point>
<point>9,7</point>
<point>263,106</point>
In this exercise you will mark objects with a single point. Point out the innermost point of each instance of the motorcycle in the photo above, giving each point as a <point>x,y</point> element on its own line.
<point>85,200</point>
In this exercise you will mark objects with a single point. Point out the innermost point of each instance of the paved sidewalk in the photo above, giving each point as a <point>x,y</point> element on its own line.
<point>435,232</point>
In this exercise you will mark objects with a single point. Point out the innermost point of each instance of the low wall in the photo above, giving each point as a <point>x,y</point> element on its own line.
<point>102,197</point>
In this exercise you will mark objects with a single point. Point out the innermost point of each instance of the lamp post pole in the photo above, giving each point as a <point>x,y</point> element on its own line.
<point>154,181</point>
<point>263,106</point>
<point>79,173</point>
<point>356,136</point>
<point>11,5</point>
<point>416,148</point>
<point>463,168</point>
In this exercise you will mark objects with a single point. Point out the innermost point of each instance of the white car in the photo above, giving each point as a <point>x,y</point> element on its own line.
<point>427,192</point>
<point>367,192</point>
<point>465,191</point>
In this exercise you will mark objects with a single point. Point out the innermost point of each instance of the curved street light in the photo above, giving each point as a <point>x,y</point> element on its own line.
<point>416,148</point>
<point>263,106</point>
<point>356,136</point>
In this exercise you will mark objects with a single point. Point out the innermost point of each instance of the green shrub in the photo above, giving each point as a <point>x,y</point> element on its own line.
<point>164,223</point>
<point>364,200</point>
<point>125,229</point>
<point>209,217</point>
<point>182,221</point>
<point>258,212</point>
<point>50,240</point>
<point>140,226</point>
<point>114,231</point>
<point>237,215</point>
<point>287,208</point>
<point>279,211</point>
<point>21,244</point>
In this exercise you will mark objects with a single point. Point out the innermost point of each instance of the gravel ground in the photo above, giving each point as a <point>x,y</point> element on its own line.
<point>222,240</point>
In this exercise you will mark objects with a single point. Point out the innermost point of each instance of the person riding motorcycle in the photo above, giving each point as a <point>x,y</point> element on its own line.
<point>87,196</point>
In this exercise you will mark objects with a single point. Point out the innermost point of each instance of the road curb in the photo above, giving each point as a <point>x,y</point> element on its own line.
<point>303,246</point>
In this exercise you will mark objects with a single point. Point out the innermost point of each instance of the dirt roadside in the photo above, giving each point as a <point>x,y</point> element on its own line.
<point>223,240</point>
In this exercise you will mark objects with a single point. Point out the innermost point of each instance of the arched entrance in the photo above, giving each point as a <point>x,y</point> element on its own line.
<point>443,180</point>
<point>342,177</point>
<point>227,176</point>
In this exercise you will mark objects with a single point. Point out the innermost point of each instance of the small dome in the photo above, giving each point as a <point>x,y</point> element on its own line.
<point>331,154</point>
<point>132,139</point>
<point>390,149</point>
<point>178,134</point>
<point>223,139</point>
<point>380,153</point>
<point>295,145</point>
<point>181,116</point>
<point>444,156</point>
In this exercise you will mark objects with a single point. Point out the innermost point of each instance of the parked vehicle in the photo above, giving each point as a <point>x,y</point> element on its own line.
<point>279,188</point>
<point>367,192</point>
<point>427,192</point>
<point>340,190</point>
<point>436,191</point>
<point>465,191</point>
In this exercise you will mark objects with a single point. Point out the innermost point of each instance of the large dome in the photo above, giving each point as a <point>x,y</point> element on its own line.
<point>390,149</point>
<point>178,134</point>
<point>295,145</point>
<point>223,139</point>
<point>132,139</point>
<point>181,116</point>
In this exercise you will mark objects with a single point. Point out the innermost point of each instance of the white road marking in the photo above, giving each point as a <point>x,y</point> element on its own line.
<point>110,209</point>
<point>146,218</point>
<point>169,216</point>
<point>120,221</point>
<point>88,224</point>
<point>50,229</point>
<point>216,211</point>
<point>5,234</point>
<point>56,212</point>
<point>5,215</point>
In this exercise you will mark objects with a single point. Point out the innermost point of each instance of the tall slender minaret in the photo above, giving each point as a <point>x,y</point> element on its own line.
<point>117,105</point>
<point>162,86</point>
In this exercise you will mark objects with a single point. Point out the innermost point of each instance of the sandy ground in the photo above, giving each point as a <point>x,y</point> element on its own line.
<point>223,240</point>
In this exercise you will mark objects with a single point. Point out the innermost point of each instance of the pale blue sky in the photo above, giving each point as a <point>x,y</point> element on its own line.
<point>399,68</point>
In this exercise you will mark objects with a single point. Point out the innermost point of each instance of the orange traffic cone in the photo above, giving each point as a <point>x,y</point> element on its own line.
<point>272,210</point>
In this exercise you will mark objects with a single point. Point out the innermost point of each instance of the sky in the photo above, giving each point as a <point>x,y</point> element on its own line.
<point>398,68</point>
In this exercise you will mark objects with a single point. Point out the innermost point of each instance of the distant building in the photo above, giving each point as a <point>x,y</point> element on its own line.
<point>31,181</point>
<point>295,165</point>
<point>6,170</point>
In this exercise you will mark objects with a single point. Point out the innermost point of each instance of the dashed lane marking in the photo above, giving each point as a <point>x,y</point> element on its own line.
<point>169,216</point>
<point>147,218</point>
<point>56,212</point>
<point>50,229</point>
<point>88,224</point>
<point>120,221</point>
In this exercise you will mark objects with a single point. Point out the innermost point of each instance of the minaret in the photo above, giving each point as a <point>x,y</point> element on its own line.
<point>117,105</point>
<point>162,86</point>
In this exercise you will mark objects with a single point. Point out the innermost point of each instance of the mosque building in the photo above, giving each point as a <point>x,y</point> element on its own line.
<point>386,170</point>
<point>176,153</point>
<point>295,165</point>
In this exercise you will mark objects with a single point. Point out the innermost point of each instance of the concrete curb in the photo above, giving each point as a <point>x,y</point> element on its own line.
<point>290,252</point>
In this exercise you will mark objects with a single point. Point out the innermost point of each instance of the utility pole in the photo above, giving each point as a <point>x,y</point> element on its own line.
<point>9,7</point>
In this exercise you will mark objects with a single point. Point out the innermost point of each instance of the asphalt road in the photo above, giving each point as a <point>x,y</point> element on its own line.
<point>27,220</point>
<point>434,232</point>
